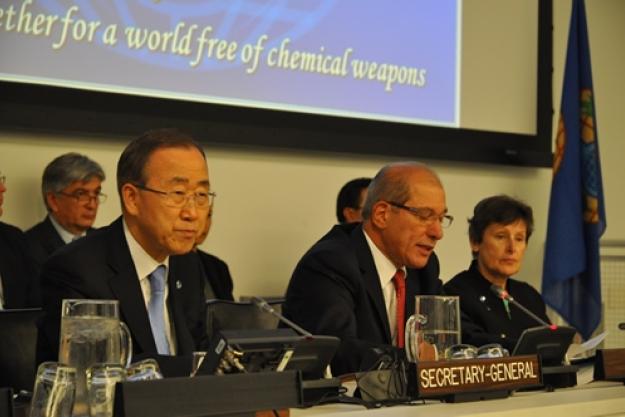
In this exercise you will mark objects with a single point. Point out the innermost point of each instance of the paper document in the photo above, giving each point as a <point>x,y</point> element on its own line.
<point>583,350</point>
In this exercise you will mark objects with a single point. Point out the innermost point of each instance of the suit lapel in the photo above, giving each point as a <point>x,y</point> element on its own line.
<point>185,343</point>
<point>125,285</point>
<point>51,238</point>
<point>412,289</point>
<point>422,281</point>
<point>371,280</point>
<point>7,272</point>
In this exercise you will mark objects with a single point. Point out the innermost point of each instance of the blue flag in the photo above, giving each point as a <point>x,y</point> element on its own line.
<point>571,272</point>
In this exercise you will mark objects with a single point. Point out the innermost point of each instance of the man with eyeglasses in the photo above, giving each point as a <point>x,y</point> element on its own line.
<point>71,188</point>
<point>142,259</point>
<point>18,279</point>
<point>360,280</point>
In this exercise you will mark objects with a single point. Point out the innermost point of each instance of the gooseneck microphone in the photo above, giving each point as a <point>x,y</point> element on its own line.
<point>504,295</point>
<point>264,306</point>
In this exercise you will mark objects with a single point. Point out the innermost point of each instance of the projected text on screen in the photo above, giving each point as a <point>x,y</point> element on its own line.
<point>395,61</point>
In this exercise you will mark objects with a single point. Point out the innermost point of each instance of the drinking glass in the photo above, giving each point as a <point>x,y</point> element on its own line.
<point>101,380</point>
<point>144,370</point>
<point>53,393</point>
<point>492,350</point>
<point>461,351</point>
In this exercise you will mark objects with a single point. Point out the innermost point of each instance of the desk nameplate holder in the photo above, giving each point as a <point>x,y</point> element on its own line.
<point>610,365</point>
<point>477,379</point>
<point>232,394</point>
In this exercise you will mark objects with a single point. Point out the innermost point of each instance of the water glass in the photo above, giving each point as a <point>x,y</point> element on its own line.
<point>53,393</point>
<point>493,350</point>
<point>101,380</point>
<point>144,370</point>
<point>461,351</point>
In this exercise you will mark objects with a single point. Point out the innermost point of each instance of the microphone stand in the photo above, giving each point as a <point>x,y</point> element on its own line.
<point>264,305</point>
<point>554,376</point>
<point>504,295</point>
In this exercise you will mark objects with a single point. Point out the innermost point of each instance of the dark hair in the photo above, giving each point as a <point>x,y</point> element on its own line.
<point>131,164</point>
<point>500,209</point>
<point>349,196</point>
<point>66,169</point>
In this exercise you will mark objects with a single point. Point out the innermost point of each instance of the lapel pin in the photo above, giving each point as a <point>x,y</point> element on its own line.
<point>483,301</point>
<point>178,284</point>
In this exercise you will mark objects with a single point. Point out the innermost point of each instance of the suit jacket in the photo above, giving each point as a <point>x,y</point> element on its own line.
<point>486,319</point>
<point>20,283</point>
<point>45,240</point>
<point>99,266</point>
<point>335,290</point>
<point>217,275</point>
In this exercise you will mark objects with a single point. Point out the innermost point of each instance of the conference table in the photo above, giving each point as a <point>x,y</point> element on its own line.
<point>594,399</point>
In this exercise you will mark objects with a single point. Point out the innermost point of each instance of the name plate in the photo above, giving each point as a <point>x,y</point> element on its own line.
<point>440,378</point>
<point>610,365</point>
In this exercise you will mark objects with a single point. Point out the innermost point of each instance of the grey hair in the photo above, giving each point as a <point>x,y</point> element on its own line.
<point>66,169</point>
<point>388,185</point>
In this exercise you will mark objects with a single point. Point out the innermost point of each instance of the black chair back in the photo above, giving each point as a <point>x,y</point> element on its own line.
<point>18,340</point>
<point>230,315</point>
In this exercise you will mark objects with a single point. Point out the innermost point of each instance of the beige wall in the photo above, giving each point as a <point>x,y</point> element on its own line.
<point>272,206</point>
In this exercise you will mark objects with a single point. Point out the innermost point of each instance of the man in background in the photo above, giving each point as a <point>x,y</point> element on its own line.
<point>359,281</point>
<point>142,259</point>
<point>350,200</point>
<point>71,188</point>
<point>18,279</point>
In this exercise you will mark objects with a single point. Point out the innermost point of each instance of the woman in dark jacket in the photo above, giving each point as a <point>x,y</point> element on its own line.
<point>498,233</point>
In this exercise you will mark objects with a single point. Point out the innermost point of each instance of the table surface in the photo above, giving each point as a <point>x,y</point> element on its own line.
<point>595,399</point>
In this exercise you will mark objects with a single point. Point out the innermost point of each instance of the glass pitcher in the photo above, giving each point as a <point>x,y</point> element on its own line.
<point>91,333</point>
<point>434,327</point>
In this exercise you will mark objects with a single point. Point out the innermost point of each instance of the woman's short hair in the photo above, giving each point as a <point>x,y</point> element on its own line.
<point>500,209</point>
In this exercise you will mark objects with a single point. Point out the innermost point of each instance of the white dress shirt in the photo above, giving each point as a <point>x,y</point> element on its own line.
<point>145,265</point>
<point>386,271</point>
<point>66,236</point>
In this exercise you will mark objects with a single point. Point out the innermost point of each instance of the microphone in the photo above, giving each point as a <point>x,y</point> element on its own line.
<point>504,295</point>
<point>264,306</point>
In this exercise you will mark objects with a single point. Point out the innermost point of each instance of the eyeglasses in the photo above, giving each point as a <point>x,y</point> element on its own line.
<point>83,196</point>
<point>426,215</point>
<point>179,199</point>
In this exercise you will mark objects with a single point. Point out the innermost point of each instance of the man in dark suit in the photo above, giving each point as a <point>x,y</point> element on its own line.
<point>71,188</point>
<point>349,283</point>
<point>18,280</point>
<point>351,199</point>
<point>218,282</point>
<point>163,185</point>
